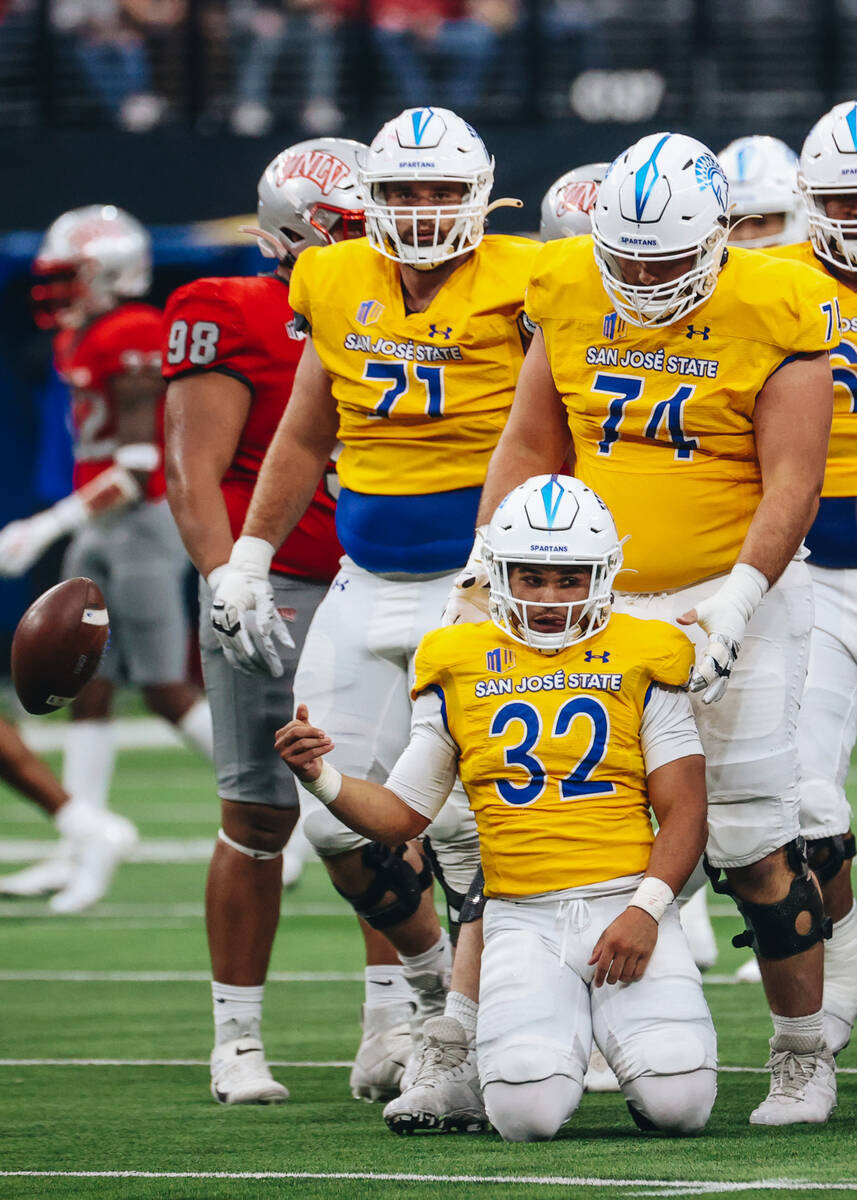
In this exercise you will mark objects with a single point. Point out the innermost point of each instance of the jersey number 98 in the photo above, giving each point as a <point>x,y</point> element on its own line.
<point>196,343</point>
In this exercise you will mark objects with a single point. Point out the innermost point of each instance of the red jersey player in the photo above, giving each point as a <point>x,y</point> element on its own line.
<point>91,263</point>
<point>230,353</point>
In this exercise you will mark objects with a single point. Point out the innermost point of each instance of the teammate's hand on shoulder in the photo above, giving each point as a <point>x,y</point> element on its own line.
<point>468,597</point>
<point>301,746</point>
<point>724,617</point>
<point>244,614</point>
<point>622,953</point>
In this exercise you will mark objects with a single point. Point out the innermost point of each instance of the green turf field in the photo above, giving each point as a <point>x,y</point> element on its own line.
<point>105,1034</point>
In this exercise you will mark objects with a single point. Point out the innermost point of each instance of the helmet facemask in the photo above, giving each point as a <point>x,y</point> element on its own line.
<point>660,304</point>
<point>411,246</point>
<point>833,240</point>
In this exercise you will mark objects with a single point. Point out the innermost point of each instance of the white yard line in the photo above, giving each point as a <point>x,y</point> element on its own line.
<point>8,976</point>
<point>642,1187</point>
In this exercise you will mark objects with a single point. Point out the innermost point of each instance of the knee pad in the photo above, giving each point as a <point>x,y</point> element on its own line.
<point>531,1112</point>
<point>827,855</point>
<point>392,874</point>
<point>677,1104</point>
<point>326,833</point>
<point>771,929</point>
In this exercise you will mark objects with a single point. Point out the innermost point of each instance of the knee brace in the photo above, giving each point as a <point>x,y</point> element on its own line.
<point>827,855</point>
<point>771,929</point>
<point>454,900</point>
<point>392,874</point>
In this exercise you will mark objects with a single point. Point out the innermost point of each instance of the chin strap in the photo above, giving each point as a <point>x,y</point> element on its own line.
<point>504,202</point>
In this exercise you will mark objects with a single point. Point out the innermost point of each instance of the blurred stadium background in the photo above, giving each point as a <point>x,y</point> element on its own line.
<point>171,108</point>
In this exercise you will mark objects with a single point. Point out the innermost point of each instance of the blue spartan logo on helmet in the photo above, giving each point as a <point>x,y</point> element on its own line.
<point>646,177</point>
<point>709,173</point>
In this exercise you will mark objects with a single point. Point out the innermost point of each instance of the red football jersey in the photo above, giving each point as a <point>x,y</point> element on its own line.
<point>245,327</point>
<point>122,340</point>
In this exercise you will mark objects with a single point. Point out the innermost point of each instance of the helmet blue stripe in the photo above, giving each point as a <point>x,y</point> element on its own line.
<point>420,120</point>
<point>552,494</point>
<point>647,176</point>
<point>851,122</point>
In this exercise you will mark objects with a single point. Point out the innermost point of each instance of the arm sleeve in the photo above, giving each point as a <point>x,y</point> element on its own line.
<point>668,729</point>
<point>426,768</point>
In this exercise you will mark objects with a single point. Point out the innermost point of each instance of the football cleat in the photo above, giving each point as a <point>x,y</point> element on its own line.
<point>803,1089</point>
<point>95,864</point>
<point>840,982</point>
<point>384,1051</point>
<point>240,1075</point>
<point>42,878</point>
<point>698,930</point>
<point>445,1095</point>
<point>599,1075</point>
<point>749,971</point>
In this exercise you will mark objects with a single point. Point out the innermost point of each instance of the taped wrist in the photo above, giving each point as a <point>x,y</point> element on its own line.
<point>653,896</point>
<point>252,557</point>
<point>328,785</point>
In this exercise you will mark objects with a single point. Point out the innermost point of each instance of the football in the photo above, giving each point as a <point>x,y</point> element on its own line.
<point>58,645</point>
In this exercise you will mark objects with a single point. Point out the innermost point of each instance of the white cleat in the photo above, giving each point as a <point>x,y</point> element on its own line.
<point>384,1051</point>
<point>803,1089</point>
<point>749,972</point>
<point>95,864</point>
<point>445,1095</point>
<point>698,930</point>
<point>240,1075</point>
<point>599,1075</point>
<point>42,878</point>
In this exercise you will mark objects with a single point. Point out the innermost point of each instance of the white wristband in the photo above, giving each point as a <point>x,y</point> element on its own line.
<point>328,785</point>
<point>138,456</point>
<point>253,556</point>
<point>653,896</point>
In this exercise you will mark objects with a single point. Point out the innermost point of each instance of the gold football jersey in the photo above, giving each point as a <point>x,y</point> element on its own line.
<point>840,478</point>
<point>549,746</point>
<point>662,419</point>
<point>422,397</point>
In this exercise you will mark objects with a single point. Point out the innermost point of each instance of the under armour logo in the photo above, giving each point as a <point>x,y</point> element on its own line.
<point>703,333</point>
<point>435,332</point>
<point>591,654</point>
<point>339,585</point>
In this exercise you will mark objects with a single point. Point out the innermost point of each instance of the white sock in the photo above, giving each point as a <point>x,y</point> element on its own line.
<point>464,1010</point>
<point>432,969</point>
<point>237,1011</point>
<point>195,728</point>
<point>803,1035</point>
<point>90,754</point>
<point>386,984</point>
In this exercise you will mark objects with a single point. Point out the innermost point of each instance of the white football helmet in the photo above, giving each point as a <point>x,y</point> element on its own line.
<point>89,260</point>
<point>309,195</point>
<point>569,200</point>
<point>427,144</point>
<point>664,199</point>
<point>762,174</point>
<point>828,167</point>
<point>552,520</point>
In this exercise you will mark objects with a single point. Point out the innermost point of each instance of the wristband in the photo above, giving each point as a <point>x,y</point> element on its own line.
<point>653,896</point>
<point>252,555</point>
<point>214,576</point>
<point>328,785</point>
<point>138,456</point>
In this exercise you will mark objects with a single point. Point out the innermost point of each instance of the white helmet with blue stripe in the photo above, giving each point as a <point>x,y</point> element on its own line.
<point>552,521</point>
<point>828,167</point>
<point>666,200</point>
<point>427,144</point>
<point>762,174</point>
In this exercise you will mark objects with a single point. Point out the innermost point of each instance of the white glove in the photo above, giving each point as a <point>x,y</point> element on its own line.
<point>724,617</point>
<point>243,613</point>
<point>23,543</point>
<point>468,596</point>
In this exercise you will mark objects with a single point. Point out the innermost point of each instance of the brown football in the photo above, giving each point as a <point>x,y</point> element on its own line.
<point>58,645</point>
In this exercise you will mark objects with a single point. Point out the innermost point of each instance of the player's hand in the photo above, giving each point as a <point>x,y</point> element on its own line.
<point>724,617</point>
<point>468,597</point>
<point>244,614</point>
<point>23,543</point>
<point>622,953</point>
<point>302,746</point>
